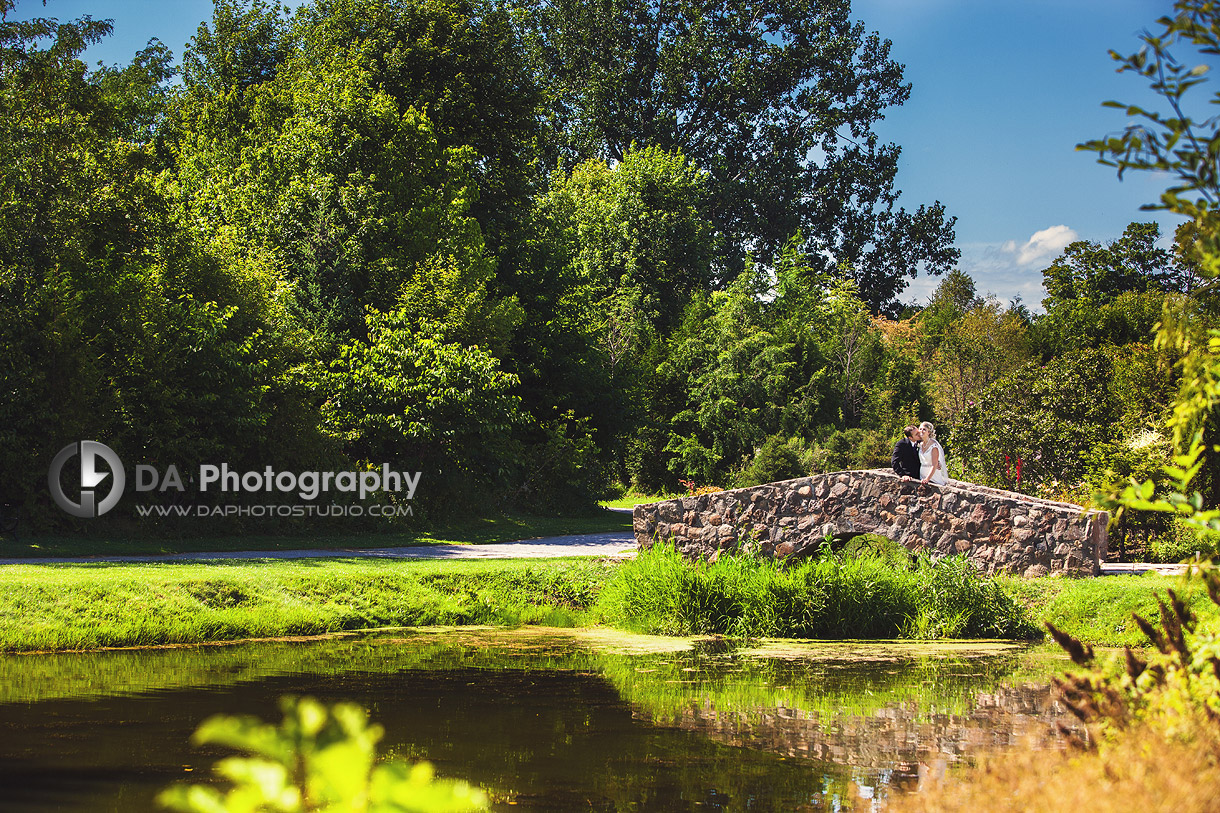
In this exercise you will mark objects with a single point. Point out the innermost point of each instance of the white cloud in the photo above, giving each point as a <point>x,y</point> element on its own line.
<point>1043,245</point>
<point>1004,270</point>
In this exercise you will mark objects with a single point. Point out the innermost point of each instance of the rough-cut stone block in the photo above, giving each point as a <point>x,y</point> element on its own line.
<point>999,530</point>
<point>1023,535</point>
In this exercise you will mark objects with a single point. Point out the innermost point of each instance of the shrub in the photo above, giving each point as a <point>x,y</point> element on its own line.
<point>852,449</point>
<point>1181,542</point>
<point>777,459</point>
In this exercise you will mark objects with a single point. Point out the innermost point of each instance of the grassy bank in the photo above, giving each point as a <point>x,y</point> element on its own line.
<point>868,596</point>
<point>474,531</point>
<point>87,606</point>
<point>1098,611</point>
<point>828,597</point>
<point>66,607</point>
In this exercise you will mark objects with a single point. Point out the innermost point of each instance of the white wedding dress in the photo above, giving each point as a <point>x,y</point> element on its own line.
<point>941,475</point>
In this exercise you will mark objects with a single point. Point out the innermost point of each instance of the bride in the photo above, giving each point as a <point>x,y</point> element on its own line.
<point>932,466</point>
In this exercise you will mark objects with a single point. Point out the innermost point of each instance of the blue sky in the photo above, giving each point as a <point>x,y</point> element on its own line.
<point>1002,93</point>
<point>1003,90</point>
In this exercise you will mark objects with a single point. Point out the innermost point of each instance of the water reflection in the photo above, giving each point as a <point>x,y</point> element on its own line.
<point>546,720</point>
<point>888,716</point>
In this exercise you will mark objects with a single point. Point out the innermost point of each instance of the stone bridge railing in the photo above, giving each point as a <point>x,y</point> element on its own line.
<point>1000,531</point>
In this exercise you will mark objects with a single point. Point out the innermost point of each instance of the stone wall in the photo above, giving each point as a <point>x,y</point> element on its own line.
<point>1000,531</point>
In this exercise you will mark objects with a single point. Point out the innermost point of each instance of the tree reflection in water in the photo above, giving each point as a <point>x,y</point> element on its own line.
<point>546,719</point>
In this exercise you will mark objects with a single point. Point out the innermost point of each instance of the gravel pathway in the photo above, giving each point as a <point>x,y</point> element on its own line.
<point>1136,568</point>
<point>615,544</point>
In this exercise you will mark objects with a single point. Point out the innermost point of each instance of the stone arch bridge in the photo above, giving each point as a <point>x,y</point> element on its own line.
<point>1000,531</point>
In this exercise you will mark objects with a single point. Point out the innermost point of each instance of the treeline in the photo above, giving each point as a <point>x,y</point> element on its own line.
<point>535,250</point>
<point>473,239</point>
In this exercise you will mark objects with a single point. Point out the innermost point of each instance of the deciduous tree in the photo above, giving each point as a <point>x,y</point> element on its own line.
<point>775,101</point>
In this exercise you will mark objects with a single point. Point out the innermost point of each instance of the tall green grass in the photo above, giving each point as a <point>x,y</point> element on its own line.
<point>827,597</point>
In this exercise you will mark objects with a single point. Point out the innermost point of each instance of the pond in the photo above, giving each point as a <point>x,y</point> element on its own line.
<point>546,720</point>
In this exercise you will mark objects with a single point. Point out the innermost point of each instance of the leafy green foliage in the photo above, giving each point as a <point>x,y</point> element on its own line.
<point>1181,543</point>
<point>1178,144</point>
<point>1173,141</point>
<point>1107,295</point>
<point>562,469</point>
<point>635,236</point>
<point>825,597</point>
<point>1129,318</point>
<point>737,372</point>
<point>1081,422</point>
<point>1177,688</point>
<point>777,459</point>
<point>116,324</point>
<point>1052,417</point>
<point>414,399</point>
<point>977,349</point>
<point>528,249</point>
<point>751,93</point>
<point>805,365</point>
<point>318,758</point>
<point>1087,271</point>
<point>461,64</point>
<point>332,169</point>
<point>1179,501</point>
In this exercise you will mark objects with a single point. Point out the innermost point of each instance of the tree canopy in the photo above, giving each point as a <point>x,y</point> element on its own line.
<point>775,101</point>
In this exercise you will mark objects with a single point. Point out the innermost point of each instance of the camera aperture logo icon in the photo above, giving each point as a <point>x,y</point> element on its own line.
<point>90,478</point>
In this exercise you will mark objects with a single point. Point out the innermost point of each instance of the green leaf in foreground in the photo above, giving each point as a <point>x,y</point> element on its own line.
<point>318,758</point>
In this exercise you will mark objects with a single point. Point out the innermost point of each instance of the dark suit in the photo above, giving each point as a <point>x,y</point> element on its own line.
<point>905,458</point>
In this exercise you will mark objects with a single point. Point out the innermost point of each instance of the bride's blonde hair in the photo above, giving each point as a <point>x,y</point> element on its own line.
<point>929,428</point>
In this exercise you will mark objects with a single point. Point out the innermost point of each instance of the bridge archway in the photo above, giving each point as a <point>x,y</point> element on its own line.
<point>1000,531</point>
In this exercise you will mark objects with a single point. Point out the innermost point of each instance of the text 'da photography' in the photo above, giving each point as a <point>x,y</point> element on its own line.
<point>88,480</point>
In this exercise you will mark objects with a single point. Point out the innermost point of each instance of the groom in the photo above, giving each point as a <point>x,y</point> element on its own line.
<point>905,458</point>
